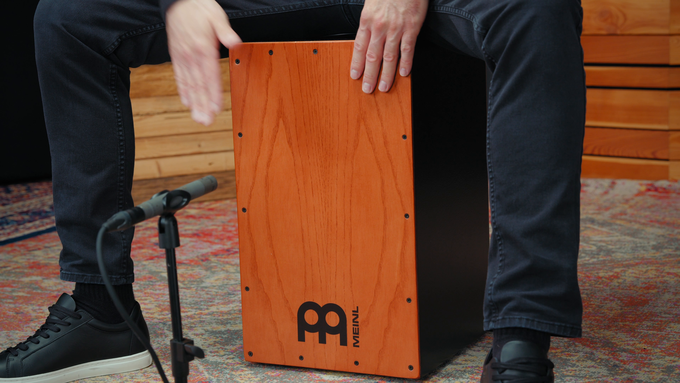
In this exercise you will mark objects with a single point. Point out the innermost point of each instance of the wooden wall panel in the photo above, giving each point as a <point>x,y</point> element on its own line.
<point>183,165</point>
<point>633,76</point>
<point>627,143</point>
<point>630,17</point>
<point>674,146</point>
<point>168,142</point>
<point>632,133</point>
<point>674,171</point>
<point>167,104</point>
<point>159,80</point>
<point>626,168</point>
<point>663,50</point>
<point>633,108</point>
<point>177,123</point>
<point>176,145</point>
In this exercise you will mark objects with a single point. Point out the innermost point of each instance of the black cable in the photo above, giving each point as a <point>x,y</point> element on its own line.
<point>121,309</point>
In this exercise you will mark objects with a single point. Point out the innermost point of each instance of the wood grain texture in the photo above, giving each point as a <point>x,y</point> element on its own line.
<point>143,190</point>
<point>663,50</point>
<point>326,180</point>
<point>627,143</point>
<point>183,165</point>
<point>633,108</point>
<point>674,170</point>
<point>675,17</point>
<point>143,106</point>
<point>625,168</point>
<point>633,77</point>
<point>166,124</point>
<point>183,144</point>
<point>159,80</point>
<point>674,146</point>
<point>630,17</point>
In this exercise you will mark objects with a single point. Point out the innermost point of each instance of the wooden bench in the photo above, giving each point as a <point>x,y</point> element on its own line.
<point>171,149</point>
<point>633,112</point>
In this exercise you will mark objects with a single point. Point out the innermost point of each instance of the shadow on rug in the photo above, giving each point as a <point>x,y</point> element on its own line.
<point>629,275</point>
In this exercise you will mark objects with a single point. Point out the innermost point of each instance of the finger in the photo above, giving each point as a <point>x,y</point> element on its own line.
<point>225,33</point>
<point>228,37</point>
<point>408,46</point>
<point>389,64</point>
<point>373,60</point>
<point>180,80</point>
<point>201,111</point>
<point>359,54</point>
<point>213,75</point>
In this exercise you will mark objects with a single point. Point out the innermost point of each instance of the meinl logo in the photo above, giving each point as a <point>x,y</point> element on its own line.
<point>321,326</point>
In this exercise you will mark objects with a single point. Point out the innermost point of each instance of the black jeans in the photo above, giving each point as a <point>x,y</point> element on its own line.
<point>536,114</point>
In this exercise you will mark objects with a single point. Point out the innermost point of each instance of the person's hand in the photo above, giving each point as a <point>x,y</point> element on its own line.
<point>195,29</point>
<point>387,27</point>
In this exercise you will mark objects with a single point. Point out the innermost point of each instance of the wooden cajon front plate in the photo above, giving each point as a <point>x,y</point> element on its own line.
<point>324,177</point>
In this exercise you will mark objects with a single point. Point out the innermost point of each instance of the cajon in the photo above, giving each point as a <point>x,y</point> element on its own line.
<point>363,219</point>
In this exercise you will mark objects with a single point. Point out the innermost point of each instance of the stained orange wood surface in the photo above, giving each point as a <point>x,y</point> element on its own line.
<point>633,108</point>
<point>633,76</point>
<point>674,170</point>
<point>631,49</point>
<point>627,168</point>
<point>627,143</point>
<point>324,184</point>
<point>674,146</point>
<point>631,17</point>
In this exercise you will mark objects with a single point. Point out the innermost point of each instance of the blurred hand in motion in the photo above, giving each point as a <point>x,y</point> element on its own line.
<point>195,30</point>
<point>386,29</point>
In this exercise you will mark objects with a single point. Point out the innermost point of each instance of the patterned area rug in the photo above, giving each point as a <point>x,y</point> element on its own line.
<point>25,211</point>
<point>629,274</point>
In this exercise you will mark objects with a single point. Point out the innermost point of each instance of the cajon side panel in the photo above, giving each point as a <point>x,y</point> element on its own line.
<point>324,188</point>
<point>451,189</point>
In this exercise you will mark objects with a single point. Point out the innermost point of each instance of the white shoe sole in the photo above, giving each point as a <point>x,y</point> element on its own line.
<point>88,370</point>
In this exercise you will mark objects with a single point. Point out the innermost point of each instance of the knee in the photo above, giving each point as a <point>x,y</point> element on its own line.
<point>538,20</point>
<point>48,14</point>
<point>541,4</point>
<point>54,19</point>
<point>546,11</point>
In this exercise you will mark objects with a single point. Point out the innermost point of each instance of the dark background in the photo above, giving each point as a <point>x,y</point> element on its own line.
<point>24,151</point>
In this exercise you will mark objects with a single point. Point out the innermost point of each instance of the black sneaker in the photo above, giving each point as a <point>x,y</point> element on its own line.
<point>72,345</point>
<point>519,362</point>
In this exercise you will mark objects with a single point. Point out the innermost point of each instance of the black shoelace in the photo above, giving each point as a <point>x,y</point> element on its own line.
<point>538,366</point>
<point>54,320</point>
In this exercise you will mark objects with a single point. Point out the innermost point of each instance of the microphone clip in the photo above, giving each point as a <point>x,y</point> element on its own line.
<point>175,200</point>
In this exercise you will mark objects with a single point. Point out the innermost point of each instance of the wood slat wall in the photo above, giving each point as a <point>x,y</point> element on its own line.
<point>632,168</point>
<point>627,143</point>
<point>169,144</point>
<point>159,80</point>
<point>633,110</point>
<point>633,77</point>
<point>650,50</point>
<point>631,17</point>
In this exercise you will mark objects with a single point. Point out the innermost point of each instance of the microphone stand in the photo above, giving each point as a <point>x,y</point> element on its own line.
<point>182,349</point>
